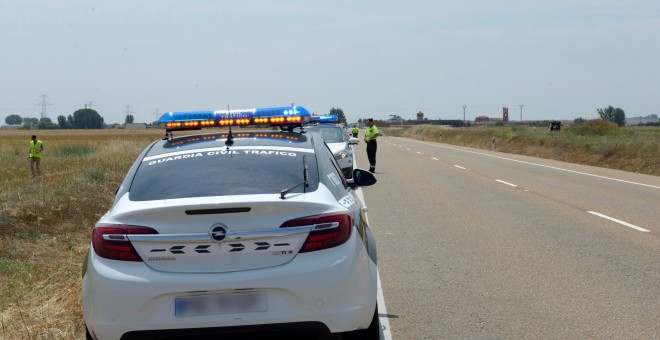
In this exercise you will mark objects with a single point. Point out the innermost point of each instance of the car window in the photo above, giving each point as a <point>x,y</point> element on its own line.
<point>330,134</point>
<point>221,172</point>
<point>330,172</point>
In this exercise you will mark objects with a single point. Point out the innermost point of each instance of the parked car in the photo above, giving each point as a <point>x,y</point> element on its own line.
<point>224,234</point>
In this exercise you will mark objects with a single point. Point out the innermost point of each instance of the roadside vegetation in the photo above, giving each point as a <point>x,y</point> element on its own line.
<point>46,223</point>
<point>595,142</point>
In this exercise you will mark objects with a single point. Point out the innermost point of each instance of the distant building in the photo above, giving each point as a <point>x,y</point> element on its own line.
<point>420,116</point>
<point>11,127</point>
<point>394,119</point>
<point>133,126</point>
<point>641,120</point>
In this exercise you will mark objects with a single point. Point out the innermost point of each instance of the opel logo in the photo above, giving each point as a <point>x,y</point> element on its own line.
<point>218,233</point>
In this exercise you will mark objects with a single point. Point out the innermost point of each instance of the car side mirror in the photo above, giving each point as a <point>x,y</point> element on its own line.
<point>353,141</point>
<point>362,178</point>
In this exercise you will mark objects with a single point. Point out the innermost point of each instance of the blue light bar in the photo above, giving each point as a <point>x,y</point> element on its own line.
<point>274,116</point>
<point>324,119</point>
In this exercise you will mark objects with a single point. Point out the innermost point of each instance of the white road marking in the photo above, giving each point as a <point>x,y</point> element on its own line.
<point>507,183</point>
<point>408,149</point>
<point>419,153</point>
<point>460,167</point>
<point>435,159</point>
<point>536,164</point>
<point>385,333</point>
<point>618,221</point>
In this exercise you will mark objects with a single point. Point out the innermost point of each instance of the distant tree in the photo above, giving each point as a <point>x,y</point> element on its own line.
<point>339,113</point>
<point>46,124</point>
<point>30,123</point>
<point>129,119</point>
<point>87,119</point>
<point>13,119</point>
<point>61,121</point>
<point>616,115</point>
<point>579,120</point>
<point>69,122</point>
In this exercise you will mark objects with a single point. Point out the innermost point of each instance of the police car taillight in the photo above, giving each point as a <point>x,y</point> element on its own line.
<point>111,241</point>
<point>329,230</point>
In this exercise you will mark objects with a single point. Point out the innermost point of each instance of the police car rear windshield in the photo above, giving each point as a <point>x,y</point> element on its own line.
<point>222,171</point>
<point>329,133</point>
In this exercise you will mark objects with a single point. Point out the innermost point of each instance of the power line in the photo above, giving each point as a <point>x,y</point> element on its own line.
<point>44,104</point>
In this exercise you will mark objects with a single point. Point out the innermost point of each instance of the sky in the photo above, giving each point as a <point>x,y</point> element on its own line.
<point>560,59</point>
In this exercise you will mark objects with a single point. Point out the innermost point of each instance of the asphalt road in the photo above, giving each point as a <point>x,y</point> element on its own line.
<point>476,244</point>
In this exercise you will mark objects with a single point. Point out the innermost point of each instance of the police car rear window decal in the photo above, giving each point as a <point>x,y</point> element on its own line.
<point>261,151</point>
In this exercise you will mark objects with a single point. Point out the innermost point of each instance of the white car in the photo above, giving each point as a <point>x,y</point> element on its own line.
<point>339,143</point>
<point>231,235</point>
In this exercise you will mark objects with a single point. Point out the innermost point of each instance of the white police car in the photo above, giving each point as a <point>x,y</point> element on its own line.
<point>233,235</point>
<point>338,141</point>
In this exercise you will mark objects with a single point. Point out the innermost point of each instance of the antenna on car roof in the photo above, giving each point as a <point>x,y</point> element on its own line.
<point>230,137</point>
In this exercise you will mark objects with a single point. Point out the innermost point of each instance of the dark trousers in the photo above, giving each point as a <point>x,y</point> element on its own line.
<point>372,146</point>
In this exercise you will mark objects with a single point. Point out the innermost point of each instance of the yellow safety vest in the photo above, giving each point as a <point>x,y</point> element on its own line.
<point>371,132</point>
<point>356,130</point>
<point>35,149</point>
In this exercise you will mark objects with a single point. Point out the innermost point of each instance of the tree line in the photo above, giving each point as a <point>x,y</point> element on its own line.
<point>81,119</point>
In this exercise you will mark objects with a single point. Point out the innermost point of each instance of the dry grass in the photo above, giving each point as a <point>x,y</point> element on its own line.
<point>45,223</point>
<point>633,149</point>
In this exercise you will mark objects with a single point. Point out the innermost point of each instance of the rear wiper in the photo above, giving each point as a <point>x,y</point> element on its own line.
<point>305,181</point>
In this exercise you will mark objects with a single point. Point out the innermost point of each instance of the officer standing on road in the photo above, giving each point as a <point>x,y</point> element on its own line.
<point>370,137</point>
<point>355,131</point>
<point>36,148</point>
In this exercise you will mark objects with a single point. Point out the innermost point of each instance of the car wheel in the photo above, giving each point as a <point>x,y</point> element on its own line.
<point>370,333</point>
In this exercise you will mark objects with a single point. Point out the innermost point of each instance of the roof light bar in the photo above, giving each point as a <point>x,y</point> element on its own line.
<point>324,119</point>
<point>274,116</point>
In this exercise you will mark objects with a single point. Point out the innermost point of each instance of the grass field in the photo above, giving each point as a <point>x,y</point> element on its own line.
<point>46,223</point>
<point>598,143</point>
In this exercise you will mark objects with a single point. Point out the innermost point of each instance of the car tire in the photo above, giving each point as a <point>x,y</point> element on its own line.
<point>87,335</point>
<point>370,333</point>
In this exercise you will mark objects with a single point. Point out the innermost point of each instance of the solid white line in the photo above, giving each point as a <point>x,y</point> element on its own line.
<point>458,166</point>
<point>507,183</point>
<point>435,159</point>
<point>385,333</point>
<point>618,221</point>
<point>536,164</point>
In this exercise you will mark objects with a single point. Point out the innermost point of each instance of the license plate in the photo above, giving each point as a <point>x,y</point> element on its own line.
<point>244,302</point>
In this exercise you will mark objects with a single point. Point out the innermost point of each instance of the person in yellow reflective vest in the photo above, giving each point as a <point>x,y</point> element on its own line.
<point>370,136</point>
<point>36,150</point>
<point>355,131</point>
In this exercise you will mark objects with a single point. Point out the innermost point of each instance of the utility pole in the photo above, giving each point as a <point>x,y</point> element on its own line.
<point>521,106</point>
<point>464,107</point>
<point>156,114</point>
<point>43,104</point>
